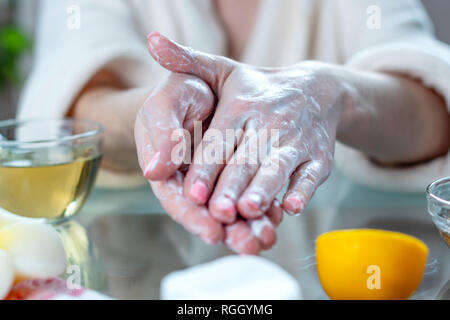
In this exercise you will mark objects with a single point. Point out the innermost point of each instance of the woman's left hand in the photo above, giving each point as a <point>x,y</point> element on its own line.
<point>284,124</point>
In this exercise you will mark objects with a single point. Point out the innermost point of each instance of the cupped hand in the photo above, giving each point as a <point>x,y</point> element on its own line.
<point>295,110</point>
<point>173,107</point>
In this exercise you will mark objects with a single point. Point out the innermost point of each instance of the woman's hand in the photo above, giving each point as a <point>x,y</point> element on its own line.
<point>175,105</point>
<point>301,105</point>
<point>178,101</point>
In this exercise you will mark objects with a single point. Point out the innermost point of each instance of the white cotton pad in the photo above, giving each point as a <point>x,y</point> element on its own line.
<point>232,277</point>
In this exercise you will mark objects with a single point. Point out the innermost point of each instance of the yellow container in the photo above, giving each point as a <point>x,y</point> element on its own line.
<point>370,264</point>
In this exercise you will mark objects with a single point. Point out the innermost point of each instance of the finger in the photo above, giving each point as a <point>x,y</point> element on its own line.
<point>240,238</point>
<point>170,194</point>
<point>304,182</point>
<point>234,178</point>
<point>176,58</point>
<point>193,217</point>
<point>158,109</point>
<point>165,114</point>
<point>211,155</point>
<point>264,230</point>
<point>271,177</point>
<point>144,147</point>
<point>275,213</point>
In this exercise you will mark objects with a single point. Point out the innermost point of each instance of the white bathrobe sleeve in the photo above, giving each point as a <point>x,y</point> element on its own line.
<point>400,41</point>
<point>75,39</point>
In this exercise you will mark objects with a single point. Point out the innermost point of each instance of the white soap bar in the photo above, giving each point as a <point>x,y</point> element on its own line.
<point>232,277</point>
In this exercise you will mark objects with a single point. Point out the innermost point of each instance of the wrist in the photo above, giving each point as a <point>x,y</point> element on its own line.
<point>346,102</point>
<point>333,86</point>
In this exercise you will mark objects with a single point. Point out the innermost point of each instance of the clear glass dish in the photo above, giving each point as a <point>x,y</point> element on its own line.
<point>48,167</point>
<point>438,199</point>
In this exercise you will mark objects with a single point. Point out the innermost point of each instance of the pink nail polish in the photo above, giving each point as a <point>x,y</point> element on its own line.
<point>254,201</point>
<point>226,205</point>
<point>296,203</point>
<point>153,38</point>
<point>151,166</point>
<point>199,191</point>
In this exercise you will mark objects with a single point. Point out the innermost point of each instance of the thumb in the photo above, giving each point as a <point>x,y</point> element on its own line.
<point>156,126</point>
<point>214,70</point>
<point>166,122</point>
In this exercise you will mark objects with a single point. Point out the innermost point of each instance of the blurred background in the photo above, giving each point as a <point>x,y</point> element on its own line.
<point>17,20</point>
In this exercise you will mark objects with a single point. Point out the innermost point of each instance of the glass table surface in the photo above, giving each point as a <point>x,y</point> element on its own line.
<point>124,243</point>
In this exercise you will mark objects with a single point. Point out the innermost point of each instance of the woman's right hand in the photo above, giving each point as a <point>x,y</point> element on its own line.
<point>174,106</point>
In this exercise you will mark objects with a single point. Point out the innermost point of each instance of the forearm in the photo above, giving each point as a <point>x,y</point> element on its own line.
<point>116,110</point>
<point>393,119</point>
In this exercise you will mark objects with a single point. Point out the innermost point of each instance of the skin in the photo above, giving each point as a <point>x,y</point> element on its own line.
<point>364,110</point>
<point>176,103</point>
<point>238,24</point>
<point>109,101</point>
<point>311,103</point>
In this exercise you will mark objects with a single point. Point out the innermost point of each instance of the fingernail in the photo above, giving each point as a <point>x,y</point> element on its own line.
<point>226,205</point>
<point>199,191</point>
<point>254,201</point>
<point>296,202</point>
<point>151,166</point>
<point>258,226</point>
<point>153,38</point>
<point>207,240</point>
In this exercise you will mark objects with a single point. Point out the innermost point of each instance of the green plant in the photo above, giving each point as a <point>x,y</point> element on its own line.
<point>13,44</point>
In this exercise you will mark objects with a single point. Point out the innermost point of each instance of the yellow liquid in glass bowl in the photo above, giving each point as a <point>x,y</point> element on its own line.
<point>53,191</point>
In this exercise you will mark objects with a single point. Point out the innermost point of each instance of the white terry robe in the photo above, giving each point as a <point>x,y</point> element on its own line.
<point>112,34</point>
